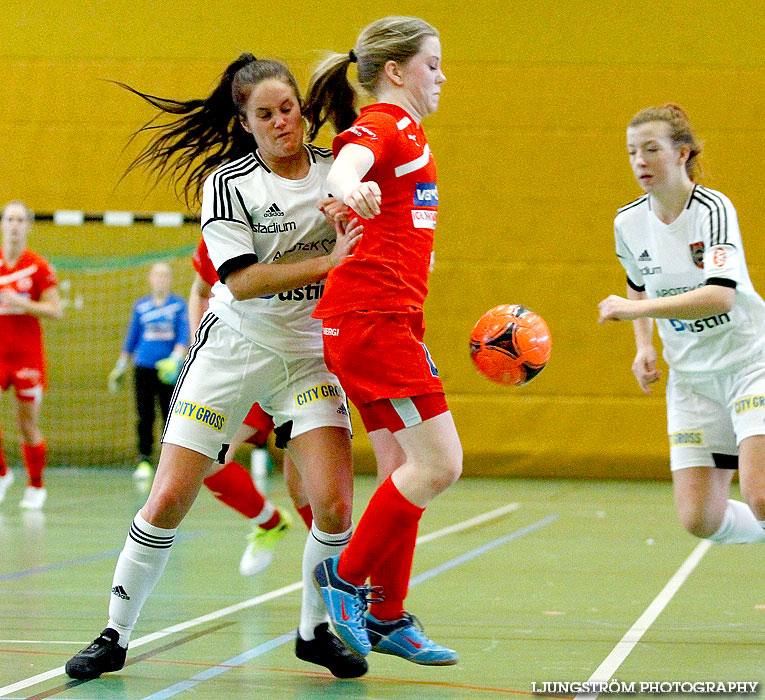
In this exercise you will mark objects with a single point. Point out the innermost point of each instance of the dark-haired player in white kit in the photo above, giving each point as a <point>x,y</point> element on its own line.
<point>681,247</point>
<point>272,248</point>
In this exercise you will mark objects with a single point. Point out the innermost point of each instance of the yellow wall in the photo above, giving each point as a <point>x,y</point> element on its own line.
<point>529,144</point>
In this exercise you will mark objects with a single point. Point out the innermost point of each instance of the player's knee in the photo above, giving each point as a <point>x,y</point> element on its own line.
<point>332,513</point>
<point>30,431</point>
<point>756,502</point>
<point>165,508</point>
<point>445,471</point>
<point>699,523</point>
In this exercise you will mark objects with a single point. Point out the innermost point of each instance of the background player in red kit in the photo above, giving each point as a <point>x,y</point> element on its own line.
<point>373,323</point>
<point>28,292</point>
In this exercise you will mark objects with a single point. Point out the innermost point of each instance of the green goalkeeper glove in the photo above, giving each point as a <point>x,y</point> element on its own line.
<point>169,369</point>
<point>117,376</point>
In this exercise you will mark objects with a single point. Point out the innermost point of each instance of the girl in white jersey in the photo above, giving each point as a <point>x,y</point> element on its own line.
<point>272,248</point>
<point>681,247</point>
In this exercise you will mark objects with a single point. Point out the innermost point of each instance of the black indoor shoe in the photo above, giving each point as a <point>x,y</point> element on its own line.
<point>103,655</point>
<point>325,649</point>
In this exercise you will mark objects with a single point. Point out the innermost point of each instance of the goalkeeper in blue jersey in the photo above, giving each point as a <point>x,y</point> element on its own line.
<point>157,338</point>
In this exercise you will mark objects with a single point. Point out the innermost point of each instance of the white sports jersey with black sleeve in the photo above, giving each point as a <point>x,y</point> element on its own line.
<point>250,214</point>
<point>702,246</point>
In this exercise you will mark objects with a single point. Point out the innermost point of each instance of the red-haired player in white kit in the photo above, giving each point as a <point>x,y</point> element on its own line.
<point>28,292</point>
<point>681,247</point>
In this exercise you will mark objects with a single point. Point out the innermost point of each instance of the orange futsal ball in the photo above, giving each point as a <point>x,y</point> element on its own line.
<point>510,344</point>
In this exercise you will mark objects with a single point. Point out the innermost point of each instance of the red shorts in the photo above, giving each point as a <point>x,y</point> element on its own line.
<point>397,414</point>
<point>27,377</point>
<point>380,355</point>
<point>261,422</point>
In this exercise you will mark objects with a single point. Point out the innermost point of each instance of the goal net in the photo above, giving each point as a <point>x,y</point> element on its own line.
<point>83,424</point>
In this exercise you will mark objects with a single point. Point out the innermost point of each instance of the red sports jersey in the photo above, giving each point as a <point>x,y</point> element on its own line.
<point>388,269</point>
<point>203,265</point>
<point>21,334</point>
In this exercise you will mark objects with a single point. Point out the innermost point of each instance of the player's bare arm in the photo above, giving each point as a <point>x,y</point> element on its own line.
<point>344,180</point>
<point>261,279</point>
<point>708,300</point>
<point>646,357</point>
<point>49,305</point>
<point>644,367</point>
<point>334,211</point>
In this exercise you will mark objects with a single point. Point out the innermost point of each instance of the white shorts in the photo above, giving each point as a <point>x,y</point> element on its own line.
<point>225,373</point>
<point>710,413</point>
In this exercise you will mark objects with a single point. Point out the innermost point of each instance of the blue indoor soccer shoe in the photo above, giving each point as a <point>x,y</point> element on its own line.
<point>405,638</point>
<point>346,605</point>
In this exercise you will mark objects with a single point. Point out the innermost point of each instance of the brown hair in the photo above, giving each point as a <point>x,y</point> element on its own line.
<point>331,96</point>
<point>207,132</point>
<point>681,132</point>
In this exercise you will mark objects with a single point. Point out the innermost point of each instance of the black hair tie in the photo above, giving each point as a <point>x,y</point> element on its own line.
<point>352,56</point>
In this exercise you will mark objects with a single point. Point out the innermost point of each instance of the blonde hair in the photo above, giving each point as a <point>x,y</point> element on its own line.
<point>17,202</point>
<point>681,132</point>
<point>331,96</point>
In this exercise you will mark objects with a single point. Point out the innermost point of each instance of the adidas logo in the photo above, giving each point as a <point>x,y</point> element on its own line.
<point>119,591</point>
<point>273,210</point>
<point>342,410</point>
<point>644,257</point>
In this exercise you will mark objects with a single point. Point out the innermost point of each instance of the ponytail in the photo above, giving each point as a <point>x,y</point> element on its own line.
<point>330,94</point>
<point>331,97</point>
<point>208,132</point>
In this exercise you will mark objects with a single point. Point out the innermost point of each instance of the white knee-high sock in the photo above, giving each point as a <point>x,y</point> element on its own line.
<point>139,567</point>
<point>739,526</point>
<point>318,547</point>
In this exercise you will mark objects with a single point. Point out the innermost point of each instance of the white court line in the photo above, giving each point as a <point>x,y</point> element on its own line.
<point>291,588</point>
<point>621,651</point>
<point>465,524</point>
<point>33,641</point>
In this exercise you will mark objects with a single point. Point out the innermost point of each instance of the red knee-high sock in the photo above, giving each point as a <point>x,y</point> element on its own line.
<point>388,519</point>
<point>306,513</point>
<point>3,463</point>
<point>34,461</point>
<point>233,485</point>
<point>393,574</point>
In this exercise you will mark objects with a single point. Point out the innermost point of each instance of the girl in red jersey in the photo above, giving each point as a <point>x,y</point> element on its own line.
<point>373,323</point>
<point>28,292</point>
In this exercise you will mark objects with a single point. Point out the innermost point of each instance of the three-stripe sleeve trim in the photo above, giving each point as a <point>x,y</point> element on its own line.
<point>718,214</point>
<point>222,206</point>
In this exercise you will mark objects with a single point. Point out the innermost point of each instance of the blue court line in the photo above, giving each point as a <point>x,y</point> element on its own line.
<point>261,649</point>
<point>478,551</point>
<point>209,673</point>
<point>81,560</point>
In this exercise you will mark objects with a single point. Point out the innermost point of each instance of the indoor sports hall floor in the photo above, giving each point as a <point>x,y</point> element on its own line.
<point>533,582</point>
